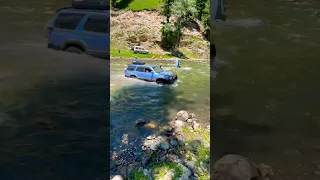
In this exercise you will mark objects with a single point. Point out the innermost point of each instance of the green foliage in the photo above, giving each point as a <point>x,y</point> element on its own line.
<point>206,19</point>
<point>184,10</point>
<point>137,175</point>
<point>113,3</point>
<point>200,6</point>
<point>170,35</point>
<point>161,169</point>
<point>166,9</point>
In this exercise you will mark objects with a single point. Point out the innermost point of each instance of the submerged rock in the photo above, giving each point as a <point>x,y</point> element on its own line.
<point>237,167</point>
<point>140,122</point>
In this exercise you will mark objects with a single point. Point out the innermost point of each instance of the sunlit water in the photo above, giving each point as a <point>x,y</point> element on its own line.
<point>132,99</point>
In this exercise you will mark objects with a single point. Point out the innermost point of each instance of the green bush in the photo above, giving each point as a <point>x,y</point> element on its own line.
<point>170,36</point>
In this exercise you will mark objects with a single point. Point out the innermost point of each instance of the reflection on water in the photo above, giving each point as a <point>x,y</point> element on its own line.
<point>266,101</point>
<point>132,99</point>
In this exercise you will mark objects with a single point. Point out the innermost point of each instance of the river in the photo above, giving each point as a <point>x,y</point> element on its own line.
<point>265,97</point>
<point>132,99</point>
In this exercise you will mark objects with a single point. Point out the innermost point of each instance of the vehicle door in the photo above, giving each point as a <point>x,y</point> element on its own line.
<point>141,72</point>
<point>149,74</point>
<point>96,34</point>
<point>65,28</point>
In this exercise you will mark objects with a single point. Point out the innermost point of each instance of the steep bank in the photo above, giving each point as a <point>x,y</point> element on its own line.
<point>129,28</point>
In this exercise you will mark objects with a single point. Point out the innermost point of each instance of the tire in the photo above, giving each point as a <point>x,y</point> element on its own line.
<point>160,81</point>
<point>132,76</point>
<point>74,50</point>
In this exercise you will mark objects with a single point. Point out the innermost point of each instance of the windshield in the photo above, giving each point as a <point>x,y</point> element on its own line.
<point>158,69</point>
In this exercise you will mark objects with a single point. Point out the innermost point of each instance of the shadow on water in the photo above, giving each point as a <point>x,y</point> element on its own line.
<point>57,130</point>
<point>152,103</point>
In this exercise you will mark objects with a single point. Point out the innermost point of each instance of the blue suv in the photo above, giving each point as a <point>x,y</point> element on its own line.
<point>81,30</point>
<point>150,73</point>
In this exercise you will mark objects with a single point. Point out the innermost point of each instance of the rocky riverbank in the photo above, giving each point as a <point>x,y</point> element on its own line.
<point>181,150</point>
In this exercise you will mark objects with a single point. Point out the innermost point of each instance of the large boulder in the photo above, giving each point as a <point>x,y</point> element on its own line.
<point>234,167</point>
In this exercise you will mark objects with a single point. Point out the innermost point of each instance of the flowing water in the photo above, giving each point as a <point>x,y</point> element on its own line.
<point>133,99</point>
<point>53,106</point>
<point>266,101</point>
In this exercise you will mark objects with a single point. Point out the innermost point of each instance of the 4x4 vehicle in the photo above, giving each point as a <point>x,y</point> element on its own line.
<point>139,49</point>
<point>81,29</point>
<point>150,73</point>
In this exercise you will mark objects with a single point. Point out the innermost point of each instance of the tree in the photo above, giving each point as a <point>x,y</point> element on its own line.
<point>166,9</point>
<point>206,19</point>
<point>200,6</point>
<point>184,10</point>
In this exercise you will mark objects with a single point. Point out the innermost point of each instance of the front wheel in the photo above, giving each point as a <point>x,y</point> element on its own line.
<point>160,81</point>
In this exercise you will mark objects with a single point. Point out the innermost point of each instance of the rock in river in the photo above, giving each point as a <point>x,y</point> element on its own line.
<point>164,145</point>
<point>140,122</point>
<point>182,115</point>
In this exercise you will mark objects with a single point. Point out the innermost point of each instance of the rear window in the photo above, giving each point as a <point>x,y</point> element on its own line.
<point>131,68</point>
<point>141,69</point>
<point>68,21</point>
<point>98,24</point>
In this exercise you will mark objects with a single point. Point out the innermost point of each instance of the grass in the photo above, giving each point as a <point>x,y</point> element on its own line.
<point>161,169</point>
<point>138,5</point>
<point>137,175</point>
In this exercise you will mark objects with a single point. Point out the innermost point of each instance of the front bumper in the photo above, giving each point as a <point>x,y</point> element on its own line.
<point>172,79</point>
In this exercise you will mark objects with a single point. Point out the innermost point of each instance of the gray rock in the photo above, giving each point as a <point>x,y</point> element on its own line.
<point>195,125</point>
<point>203,166</point>
<point>164,145</point>
<point>182,115</point>
<point>186,173</point>
<point>117,177</point>
<point>118,162</point>
<point>178,123</point>
<point>317,173</point>
<point>189,120</point>
<point>151,137</point>
<point>145,159</point>
<point>154,146</point>
<point>234,167</point>
<point>190,165</point>
<point>173,142</point>
<point>140,122</point>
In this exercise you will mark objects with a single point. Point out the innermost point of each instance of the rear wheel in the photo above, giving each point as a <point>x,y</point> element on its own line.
<point>132,76</point>
<point>74,50</point>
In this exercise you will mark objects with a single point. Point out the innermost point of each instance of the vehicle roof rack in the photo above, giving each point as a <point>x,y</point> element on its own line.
<point>138,62</point>
<point>91,4</point>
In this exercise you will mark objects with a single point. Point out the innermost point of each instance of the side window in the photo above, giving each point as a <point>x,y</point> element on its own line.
<point>148,70</point>
<point>98,24</point>
<point>68,21</point>
<point>141,69</point>
<point>131,68</point>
